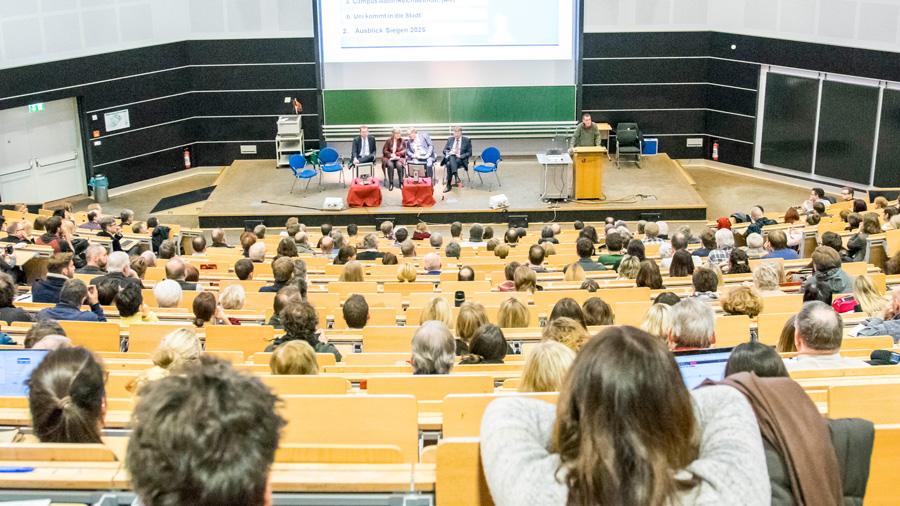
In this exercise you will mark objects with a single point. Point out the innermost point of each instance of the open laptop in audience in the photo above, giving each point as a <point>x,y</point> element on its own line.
<point>15,369</point>
<point>697,366</point>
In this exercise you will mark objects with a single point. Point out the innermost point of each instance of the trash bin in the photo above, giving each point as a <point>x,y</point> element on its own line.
<point>100,185</point>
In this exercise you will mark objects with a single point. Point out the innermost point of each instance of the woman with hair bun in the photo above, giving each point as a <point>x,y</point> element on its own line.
<point>67,397</point>
<point>177,349</point>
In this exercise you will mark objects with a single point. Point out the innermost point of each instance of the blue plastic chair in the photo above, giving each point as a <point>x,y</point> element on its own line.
<point>330,161</point>
<point>298,167</point>
<point>490,159</point>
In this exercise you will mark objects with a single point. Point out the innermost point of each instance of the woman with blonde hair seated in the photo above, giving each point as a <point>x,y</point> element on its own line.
<point>656,321</point>
<point>176,350</point>
<point>513,314</point>
<point>294,357</point>
<point>546,367</point>
<point>549,248</point>
<point>407,273</point>
<point>573,272</point>
<point>868,299</point>
<point>501,251</point>
<point>566,331</point>
<point>437,309</point>
<point>233,298</point>
<point>767,278</point>
<point>352,273</point>
<point>629,267</point>
<point>525,279</point>
<point>742,300</point>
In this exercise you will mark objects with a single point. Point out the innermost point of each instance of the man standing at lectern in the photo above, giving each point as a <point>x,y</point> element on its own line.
<point>363,150</point>
<point>587,133</point>
<point>419,149</point>
<point>456,156</point>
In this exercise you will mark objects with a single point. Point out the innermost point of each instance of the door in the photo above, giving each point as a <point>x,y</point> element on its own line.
<point>50,138</point>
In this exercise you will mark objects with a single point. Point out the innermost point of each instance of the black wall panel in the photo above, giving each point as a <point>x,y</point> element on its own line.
<point>887,161</point>
<point>790,122</point>
<point>846,131</point>
<point>206,95</point>
<point>691,70</point>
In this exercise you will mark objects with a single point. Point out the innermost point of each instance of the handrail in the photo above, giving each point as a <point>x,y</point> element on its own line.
<point>56,162</point>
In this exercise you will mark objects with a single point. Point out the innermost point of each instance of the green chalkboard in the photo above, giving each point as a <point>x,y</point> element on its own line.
<point>450,105</point>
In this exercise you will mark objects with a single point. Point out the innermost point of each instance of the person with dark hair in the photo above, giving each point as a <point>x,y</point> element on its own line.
<point>206,310</point>
<point>832,240</point>
<point>300,321</point>
<point>577,224</point>
<point>818,336</point>
<point>621,384</point>
<point>93,221</point>
<point>389,259</point>
<point>400,234</point>
<point>590,285</point>
<point>739,262</point>
<point>243,269</point>
<point>569,308</point>
<point>614,245</point>
<point>668,298</point>
<point>635,248</point>
<point>816,291</point>
<point>758,358</point>
<point>55,236</point>
<point>827,267</point>
<point>346,254</point>
<point>67,397</point>
<point>847,194</point>
<point>536,258</point>
<point>707,243</point>
<point>487,346</point>
<point>466,274</point>
<point>585,249</point>
<point>73,295</point>
<point>282,298</point>
<point>589,232</point>
<point>287,247</point>
<point>8,312</point>
<point>705,284</point>
<point>856,244</point>
<point>649,276</point>
<point>107,289</point>
<point>682,264</point>
<point>60,269</point>
<point>509,285</point>
<point>170,459</point>
<point>109,229</point>
<point>597,312</point>
<point>176,271</point>
<point>476,237</point>
<point>130,304</point>
<point>355,311</point>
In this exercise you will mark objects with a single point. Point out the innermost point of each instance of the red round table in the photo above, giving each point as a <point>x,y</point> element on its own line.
<point>364,195</point>
<point>419,194</point>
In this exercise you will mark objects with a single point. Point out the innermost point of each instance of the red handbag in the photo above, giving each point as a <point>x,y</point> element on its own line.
<point>845,304</point>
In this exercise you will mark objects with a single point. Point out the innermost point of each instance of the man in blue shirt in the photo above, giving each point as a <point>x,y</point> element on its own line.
<point>74,293</point>
<point>778,247</point>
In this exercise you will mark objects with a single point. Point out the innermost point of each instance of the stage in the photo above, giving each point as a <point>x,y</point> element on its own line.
<point>256,189</point>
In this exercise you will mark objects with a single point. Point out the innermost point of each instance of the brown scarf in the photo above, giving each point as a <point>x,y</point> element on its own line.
<point>790,422</point>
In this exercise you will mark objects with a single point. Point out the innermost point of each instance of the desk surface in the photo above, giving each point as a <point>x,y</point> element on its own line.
<point>61,475</point>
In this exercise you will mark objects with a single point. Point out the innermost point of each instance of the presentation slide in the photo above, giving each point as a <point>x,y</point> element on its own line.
<point>446,30</point>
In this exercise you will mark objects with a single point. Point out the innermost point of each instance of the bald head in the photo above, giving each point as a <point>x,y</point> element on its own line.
<point>257,252</point>
<point>175,269</point>
<point>327,245</point>
<point>819,328</point>
<point>756,213</point>
<point>432,262</point>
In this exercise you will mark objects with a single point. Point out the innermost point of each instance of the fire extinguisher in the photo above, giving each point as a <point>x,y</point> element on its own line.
<point>187,158</point>
<point>716,151</point>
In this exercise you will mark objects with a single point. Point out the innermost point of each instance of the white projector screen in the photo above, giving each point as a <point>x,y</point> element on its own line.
<point>374,44</point>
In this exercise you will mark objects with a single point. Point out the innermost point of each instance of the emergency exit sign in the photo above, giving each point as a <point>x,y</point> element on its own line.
<point>35,107</point>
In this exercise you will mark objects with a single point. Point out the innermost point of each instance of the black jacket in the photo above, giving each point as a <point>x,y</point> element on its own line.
<point>160,234</point>
<point>47,290</point>
<point>14,314</point>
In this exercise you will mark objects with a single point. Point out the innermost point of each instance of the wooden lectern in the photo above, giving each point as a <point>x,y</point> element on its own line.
<point>589,172</point>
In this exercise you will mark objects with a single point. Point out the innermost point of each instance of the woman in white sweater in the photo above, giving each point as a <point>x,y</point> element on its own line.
<point>625,432</point>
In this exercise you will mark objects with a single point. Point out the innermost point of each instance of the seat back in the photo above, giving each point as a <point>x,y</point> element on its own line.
<point>297,162</point>
<point>328,156</point>
<point>407,288</point>
<point>286,384</point>
<point>249,339</point>
<point>769,326</point>
<point>352,419</point>
<point>626,137</point>
<point>430,387</point>
<point>95,336</point>
<point>490,156</point>
<point>388,339</point>
<point>338,454</point>
<point>732,330</point>
<point>462,413</point>
<point>56,452</point>
<point>145,337</point>
<point>878,402</point>
<point>375,358</point>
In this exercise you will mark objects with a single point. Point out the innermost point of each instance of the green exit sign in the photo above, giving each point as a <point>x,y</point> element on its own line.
<point>36,107</point>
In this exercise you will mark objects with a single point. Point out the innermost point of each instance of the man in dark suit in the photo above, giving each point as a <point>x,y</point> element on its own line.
<point>363,150</point>
<point>456,156</point>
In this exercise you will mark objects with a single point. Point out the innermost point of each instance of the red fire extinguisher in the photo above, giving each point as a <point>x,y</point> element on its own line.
<point>716,151</point>
<point>187,159</point>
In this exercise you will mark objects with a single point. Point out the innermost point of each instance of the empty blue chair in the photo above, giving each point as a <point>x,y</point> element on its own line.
<point>490,162</point>
<point>330,161</point>
<point>298,167</point>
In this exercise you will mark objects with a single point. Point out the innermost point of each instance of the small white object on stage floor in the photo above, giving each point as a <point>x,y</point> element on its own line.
<point>499,202</point>
<point>333,204</point>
